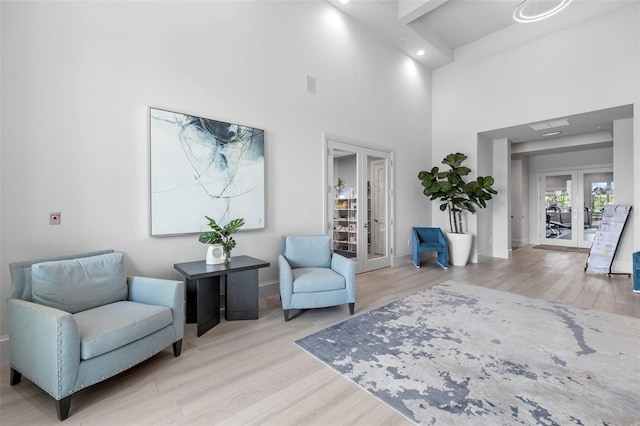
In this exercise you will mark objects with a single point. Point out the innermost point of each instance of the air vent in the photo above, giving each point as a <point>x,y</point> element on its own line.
<point>549,125</point>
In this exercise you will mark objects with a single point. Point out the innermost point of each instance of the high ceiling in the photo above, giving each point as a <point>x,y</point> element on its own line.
<point>446,29</point>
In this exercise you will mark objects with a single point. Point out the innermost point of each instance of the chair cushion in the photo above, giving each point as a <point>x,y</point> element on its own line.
<point>308,251</point>
<point>313,280</point>
<point>431,246</point>
<point>112,326</point>
<point>76,285</point>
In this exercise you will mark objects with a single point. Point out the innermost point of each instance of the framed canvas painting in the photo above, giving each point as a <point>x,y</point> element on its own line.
<point>204,167</point>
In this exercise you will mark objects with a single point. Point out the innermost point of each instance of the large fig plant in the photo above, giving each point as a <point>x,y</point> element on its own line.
<point>455,194</point>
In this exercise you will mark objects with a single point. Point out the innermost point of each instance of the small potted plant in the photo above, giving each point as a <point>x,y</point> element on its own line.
<point>219,238</point>
<point>457,196</point>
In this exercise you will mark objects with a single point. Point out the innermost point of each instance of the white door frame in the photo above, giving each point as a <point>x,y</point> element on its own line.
<point>362,150</point>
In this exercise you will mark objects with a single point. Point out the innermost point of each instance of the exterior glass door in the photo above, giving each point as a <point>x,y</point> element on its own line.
<point>572,205</point>
<point>598,190</point>
<point>559,196</point>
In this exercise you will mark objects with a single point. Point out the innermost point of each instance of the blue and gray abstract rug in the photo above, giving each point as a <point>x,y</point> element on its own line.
<point>458,354</point>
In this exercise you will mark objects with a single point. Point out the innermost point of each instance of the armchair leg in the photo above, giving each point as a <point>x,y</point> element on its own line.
<point>177,348</point>
<point>352,307</point>
<point>62,407</point>
<point>286,314</point>
<point>15,377</point>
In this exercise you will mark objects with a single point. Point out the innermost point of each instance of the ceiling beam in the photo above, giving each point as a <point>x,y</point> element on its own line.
<point>410,10</point>
<point>381,17</point>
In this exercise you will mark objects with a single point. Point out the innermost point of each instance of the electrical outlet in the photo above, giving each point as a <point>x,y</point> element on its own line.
<point>409,242</point>
<point>54,218</point>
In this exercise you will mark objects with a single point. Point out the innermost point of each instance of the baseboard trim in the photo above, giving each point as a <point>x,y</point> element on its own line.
<point>622,267</point>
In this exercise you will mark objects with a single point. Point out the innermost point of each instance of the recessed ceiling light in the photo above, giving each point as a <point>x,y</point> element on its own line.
<point>344,1</point>
<point>420,52</point>
<point>551,133</point>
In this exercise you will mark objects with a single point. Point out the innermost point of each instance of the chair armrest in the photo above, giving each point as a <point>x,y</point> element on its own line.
<point>415,237</point>
<point>44,346</point>
<point>442,239</point>
<point>156,291</point>
<point>346,268</point>
<point>285,280</point>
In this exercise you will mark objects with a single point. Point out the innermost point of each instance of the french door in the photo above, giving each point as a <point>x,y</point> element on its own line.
<point>571,205</point>
<point>359,203</point>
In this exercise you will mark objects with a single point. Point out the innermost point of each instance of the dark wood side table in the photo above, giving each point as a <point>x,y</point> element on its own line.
<point>203,282</point>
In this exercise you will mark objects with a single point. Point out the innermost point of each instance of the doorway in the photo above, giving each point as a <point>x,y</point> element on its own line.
<point>359,202</point>
<point>572,205</point>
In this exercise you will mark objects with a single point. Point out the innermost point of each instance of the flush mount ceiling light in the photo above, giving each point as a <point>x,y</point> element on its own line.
<point>536,10</point>
<point>420,52</point>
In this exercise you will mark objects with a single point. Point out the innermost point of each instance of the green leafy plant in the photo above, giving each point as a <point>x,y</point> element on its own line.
<point>456,195</point>
<point>222,234</point>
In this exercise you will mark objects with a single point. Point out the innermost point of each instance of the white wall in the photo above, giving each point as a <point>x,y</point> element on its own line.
<point>78,79</point>
<point>588,67</point>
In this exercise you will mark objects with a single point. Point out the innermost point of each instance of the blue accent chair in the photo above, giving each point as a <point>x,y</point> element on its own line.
<point>636,272</point>
<point>77,320</point>
<point>311,276</point>
<point>429,240</point>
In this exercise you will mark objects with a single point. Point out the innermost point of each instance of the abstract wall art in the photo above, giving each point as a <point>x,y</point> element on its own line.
<point>201,166</point>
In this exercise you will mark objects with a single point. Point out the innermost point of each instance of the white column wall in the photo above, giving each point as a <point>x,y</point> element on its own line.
<point>502,205</point>
<point>623,172</point>
<point>519,201</point>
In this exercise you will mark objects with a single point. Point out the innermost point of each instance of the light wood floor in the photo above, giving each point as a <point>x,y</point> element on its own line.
<point>251,372</point>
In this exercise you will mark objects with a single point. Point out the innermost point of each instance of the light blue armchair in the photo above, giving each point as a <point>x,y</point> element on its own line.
<point>311,276</point>
<point>429,240</point>
<point>77,320</point>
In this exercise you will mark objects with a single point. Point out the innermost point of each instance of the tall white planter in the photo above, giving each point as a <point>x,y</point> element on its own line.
<point>459,248</point>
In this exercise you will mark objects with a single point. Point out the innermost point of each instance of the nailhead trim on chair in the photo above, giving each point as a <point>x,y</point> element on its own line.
<point>59,357</point>
<point>35,308</point>
<point>60,360</point>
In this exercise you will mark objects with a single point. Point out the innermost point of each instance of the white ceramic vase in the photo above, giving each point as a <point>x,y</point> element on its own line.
<point>459,248</point>
<point>215,254</point>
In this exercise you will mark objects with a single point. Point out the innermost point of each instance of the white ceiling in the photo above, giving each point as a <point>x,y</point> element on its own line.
<point>439,27</point>
<point>444,29</point>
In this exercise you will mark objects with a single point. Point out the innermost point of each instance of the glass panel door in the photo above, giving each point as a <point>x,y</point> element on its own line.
<point>359,204</point>
<point>559,217</point>
<point>377,214</point>
<point>598,189</point>
<point>344,202</point>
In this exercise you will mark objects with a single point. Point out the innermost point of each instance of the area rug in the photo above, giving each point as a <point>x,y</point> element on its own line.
<point>459,354</point>
<point>562,248</point>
